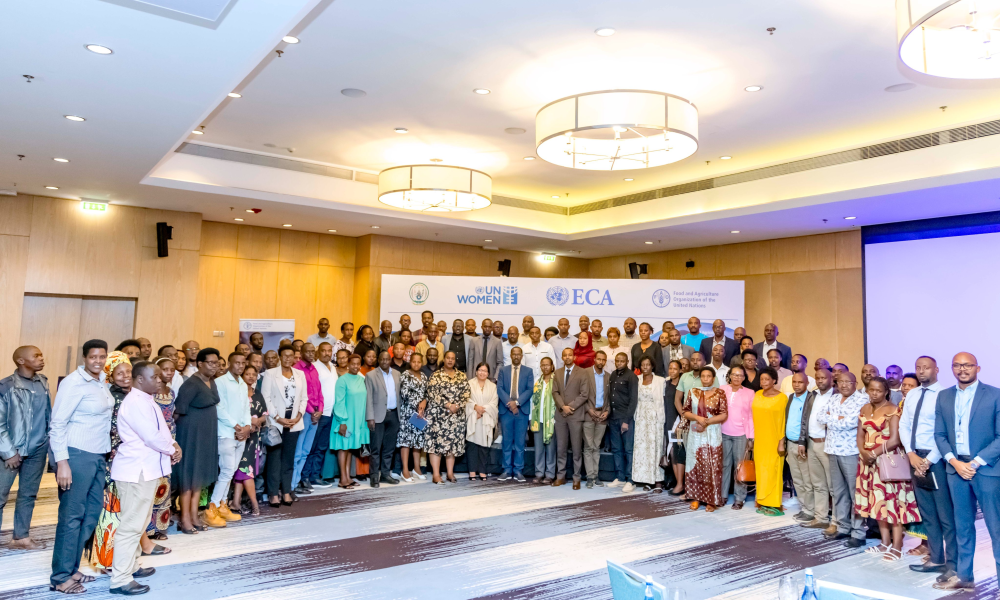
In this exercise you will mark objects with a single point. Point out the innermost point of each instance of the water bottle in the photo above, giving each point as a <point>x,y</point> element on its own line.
<point>649,586</point>
<point>787,589</point>
<point>809,593</point>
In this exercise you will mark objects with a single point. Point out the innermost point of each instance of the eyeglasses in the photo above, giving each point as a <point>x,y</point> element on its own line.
<point>963,366</point>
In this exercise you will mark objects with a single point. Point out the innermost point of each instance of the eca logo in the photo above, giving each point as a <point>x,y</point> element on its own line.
<point>558,296</point>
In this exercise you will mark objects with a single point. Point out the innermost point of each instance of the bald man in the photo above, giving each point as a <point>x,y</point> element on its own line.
<point>25,413</point>
<point>771,343</point>
<point>967,432</point>
<point>729,345</point>
<point>868,372</point>
<point>841,447</point>
<point>191,350</point>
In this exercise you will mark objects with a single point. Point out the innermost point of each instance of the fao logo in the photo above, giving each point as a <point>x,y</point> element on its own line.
<point>247,326</point>
<point>419,293</point>
<point>557,295</point>
<point>661,298</point>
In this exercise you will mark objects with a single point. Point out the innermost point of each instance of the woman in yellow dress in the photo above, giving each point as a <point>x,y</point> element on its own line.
<point>769,443</point>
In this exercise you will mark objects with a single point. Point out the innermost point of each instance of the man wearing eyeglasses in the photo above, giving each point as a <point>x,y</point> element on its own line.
<point>967,432</point>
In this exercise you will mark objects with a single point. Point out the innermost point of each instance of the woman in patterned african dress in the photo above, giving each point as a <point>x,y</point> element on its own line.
<point>447,394</point>
<point>705,408</point>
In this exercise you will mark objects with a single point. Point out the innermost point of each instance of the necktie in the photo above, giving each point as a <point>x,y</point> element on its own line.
<point>916,419</point>
<point>513,384</point>
<point>486,343</point>
<point>567,377</point>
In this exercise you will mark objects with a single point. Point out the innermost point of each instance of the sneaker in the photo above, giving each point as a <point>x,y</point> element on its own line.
<point>227,514</point>
<point>519,478</point>
<point>320,483</point>
<point>803,517</point>
<point>212,518</point>
<point>590,484</point>
<point>599,483</point>
<point>301,490</point>
<point>503,476</point>
<point>628,487</point>
<point>615,483</point>
<point>814,524</point>
<point>306,484</point>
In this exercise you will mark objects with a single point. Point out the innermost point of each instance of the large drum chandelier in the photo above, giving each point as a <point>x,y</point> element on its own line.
<point>435,188</point>
<point>957,39</point>
<point>617,130</point>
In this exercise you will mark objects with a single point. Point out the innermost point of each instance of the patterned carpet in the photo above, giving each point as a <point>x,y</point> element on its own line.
<point>486,540</point>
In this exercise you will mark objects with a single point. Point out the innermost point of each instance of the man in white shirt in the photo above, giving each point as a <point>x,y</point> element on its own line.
<point>799,363</point>
<point>190,350</point>
<point>819,464</point>
<point>535,351</point>
<point>328,371</point>
<point>563,339</point>
<point>630,337</point>
<point>234,427</point>
<point>721,368</point>
<point>841,420</point>
<point>323,335</point>
<point>916,433</point>
<point>145,454</point>
<point>513,337</point>
<point>774,361</point>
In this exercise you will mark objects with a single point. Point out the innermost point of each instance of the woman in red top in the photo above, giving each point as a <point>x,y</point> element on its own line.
<point>584,351</point>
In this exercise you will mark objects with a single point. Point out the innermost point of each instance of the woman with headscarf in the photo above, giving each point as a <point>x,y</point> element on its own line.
<point>160,519</point>
<point>197,434</point>
<point>118,377</point>
<point>481,416</point>
<point>647,448</point>
<point>447,394</point>
<point>543,423</point>
<point>705,409</point>
<point>366,341</point>
<point>583,351</point>
<point>253,452</point>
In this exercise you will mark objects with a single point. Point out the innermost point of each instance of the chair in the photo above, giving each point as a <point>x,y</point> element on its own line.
<point>626,584</point>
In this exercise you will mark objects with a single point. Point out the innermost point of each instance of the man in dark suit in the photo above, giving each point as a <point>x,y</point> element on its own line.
<point>596,419</point>
<point>771,343</point>
<point>570,391</point>
<point>491,349</point>
<point>468,353</point>
<point>967,433</point>
<point>515,384</point>
<point>729,344</point>
<point>382,385</point>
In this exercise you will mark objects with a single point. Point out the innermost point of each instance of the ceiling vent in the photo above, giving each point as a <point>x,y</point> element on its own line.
<point>202,12</point>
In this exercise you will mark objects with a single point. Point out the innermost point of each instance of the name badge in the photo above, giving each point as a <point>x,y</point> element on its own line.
<point>959,437</point>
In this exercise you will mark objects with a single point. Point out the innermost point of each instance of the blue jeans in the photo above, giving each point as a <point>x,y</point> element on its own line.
<point>31,470</point>
<point>514,429</point>
<point>621,447</point>
<point>303,447</point>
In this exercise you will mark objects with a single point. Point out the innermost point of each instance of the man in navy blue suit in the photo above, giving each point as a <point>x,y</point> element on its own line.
<point>515,384</point>
<point>967,433</point>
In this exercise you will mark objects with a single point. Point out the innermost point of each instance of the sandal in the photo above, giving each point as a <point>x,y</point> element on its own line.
<point>83,578</point>
<point>737,506</point>
<point>159,536</point>
<point>157,551</point>
<point>76,588</point>
<point>201,527</point>
<point>879,549</point>
<point>892,555</point>
<point>191,531</point>
<point>709,508</point>
<point>483,477</point>
<point>255,512</point>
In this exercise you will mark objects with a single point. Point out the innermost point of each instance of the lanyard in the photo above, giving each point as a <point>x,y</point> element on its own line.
<point>960,414</point>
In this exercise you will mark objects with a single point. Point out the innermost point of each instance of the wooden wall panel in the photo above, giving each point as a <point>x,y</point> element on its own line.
<point>52,324</point>
<point>106,319</point>
<point>71,251</point>
<point>13,270</point>
<point>16,213</point>
<point>296,298</point>
<point>299,247</point>
<point>850,318</point>
<point>186,233</point>
<point>214,301</point>
<point>168,290</point>
<point>218,239</point>
<point>337,251</point>
<point>334,295</point>
<point>258,243</point>
<point>849,249</point>
<point>805,309</point>
<point>362,306</point>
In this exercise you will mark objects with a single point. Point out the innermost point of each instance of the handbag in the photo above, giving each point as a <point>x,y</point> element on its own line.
<point>892,466</point>
<point>746,472</point>
<point>271,436</point>
<point>665,456</point>
<point>366,451</point>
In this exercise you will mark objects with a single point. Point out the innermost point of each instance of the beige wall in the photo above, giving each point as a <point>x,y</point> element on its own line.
<point>810,286</point>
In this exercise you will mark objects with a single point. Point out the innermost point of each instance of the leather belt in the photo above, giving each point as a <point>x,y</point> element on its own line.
<point>818,440</point>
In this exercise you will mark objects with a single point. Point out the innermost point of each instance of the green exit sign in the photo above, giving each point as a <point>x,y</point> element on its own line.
<point>95,206</point>
<point>548,258</point>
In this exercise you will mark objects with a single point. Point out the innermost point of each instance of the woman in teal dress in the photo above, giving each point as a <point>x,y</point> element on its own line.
<point>349,429</point>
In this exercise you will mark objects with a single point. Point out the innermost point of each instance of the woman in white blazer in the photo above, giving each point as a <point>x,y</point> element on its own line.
<point>481,415</point>
<point>284,391</point>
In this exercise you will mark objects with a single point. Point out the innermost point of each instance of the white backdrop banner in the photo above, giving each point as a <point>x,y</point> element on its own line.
<point>548,300</point>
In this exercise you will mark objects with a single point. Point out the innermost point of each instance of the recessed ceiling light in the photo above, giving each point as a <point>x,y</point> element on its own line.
<point>554,196</point>
<point>529,158</point>
<point>725,157</point>
<point>237,219</point>
<point>75,118</point>
<point>290,39</point>
<point>629,179</point>
<point>51,187</point>
<point>515,130</point>
<point>487,240</point>
<point>63,160</point>
<point>353,93</point>
<point>287,225</point>
<point>753,88</point>
<point>650,243</point>
<point>401,130</point>
<point>735,231</point>
<point>437,160</point>
<point>332,230</point>
<point>235,95</point>
<point>98,49</point>
<point>249,210</point>
<point>198,132</point>
<point>901,87</point>
<point>374,226</point>
<point>850,218</point>
<point>481,91</point>
<point>605,31</point>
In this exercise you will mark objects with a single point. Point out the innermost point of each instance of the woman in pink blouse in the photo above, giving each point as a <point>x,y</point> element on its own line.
<point>737,431</point>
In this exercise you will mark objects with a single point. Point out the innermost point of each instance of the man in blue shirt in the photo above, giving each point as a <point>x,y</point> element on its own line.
<point>796,438</point>
<point>596,419</point>
<point>694,336</point>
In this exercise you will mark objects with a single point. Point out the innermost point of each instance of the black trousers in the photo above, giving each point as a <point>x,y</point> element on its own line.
<point>79,508</point>
<point>477,458</point>
<point>383,444</point>
<point>281,464</point>
<point>938,516</point>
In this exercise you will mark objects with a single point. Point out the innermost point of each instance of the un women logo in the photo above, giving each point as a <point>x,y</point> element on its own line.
<point>557,295</point>
<point>419,293</point>
<point>661,298</point>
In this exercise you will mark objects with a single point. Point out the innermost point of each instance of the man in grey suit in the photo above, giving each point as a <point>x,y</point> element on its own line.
<point>571,391</point>
<point>675,350</point>
<point>596,419</point>
<point>468,353</point>
<point>491,347</point>
<point>771,343</point>
<point>382,385</point>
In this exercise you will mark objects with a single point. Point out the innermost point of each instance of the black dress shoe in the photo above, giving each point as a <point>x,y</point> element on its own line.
<point>837,536</point>
<point>131,589</point>
<point>143,572</point>
<point>301,490</point>
<point>374,483</point>
<point>854,543</point>
<point>927,568</point>
<point>389,479</point>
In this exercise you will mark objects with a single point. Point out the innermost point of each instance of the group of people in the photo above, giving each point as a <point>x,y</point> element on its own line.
<point>135,439</point>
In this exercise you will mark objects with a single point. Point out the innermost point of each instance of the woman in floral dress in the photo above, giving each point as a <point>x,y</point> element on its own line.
<point>413,392</point>
<point>253,452</point>
<point>649,417</point>
<point>447,393</point>
<point>705,408</point>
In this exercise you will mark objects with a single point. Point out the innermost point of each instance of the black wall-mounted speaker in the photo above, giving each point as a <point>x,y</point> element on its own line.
<point>164,232</point>
<point>689,264</point>
<point>504,267</point>
<point>636,269</point>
